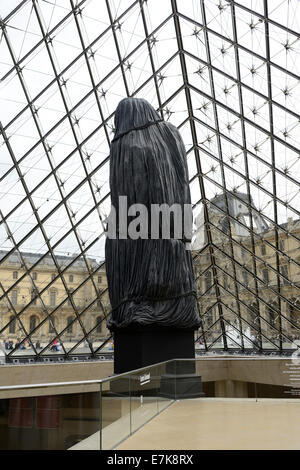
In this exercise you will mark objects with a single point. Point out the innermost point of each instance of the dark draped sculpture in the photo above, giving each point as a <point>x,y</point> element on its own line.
<point>150,281</point>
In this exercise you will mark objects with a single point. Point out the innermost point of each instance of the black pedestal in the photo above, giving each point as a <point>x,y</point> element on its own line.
<point>180,381</point>
<point>139,347</point>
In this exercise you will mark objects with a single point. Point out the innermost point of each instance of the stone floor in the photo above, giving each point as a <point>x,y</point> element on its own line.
<point>214,423</point>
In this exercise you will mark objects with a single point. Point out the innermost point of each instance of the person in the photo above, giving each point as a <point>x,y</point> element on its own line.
<point>54,346</point>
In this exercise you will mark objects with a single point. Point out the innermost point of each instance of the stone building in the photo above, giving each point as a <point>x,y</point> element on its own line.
<point>238,285</point>
<point>44,299</point>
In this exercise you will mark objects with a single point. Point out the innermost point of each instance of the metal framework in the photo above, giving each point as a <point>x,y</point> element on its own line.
<point>227,75</point>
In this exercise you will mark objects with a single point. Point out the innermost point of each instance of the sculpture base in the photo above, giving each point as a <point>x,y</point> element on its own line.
<point>139,347</point>
<point>181,386</point>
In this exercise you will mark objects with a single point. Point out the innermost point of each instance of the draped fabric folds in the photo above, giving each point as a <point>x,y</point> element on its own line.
<point>150,281</point>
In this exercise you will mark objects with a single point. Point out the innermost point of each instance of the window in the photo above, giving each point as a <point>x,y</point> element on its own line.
<point>69,325</point>
<point>225,225</point>
<point>285,273</point>
<point>225,281</point>
<point>15,275</point>
<point>33,297</point>
<point>209,317</point>
<point>14,297</point>
<point>52,298</point>
<point>254,315</point>
<point>207,280</point>
<point>51,325</point>
<point>71,278</point>
<point>34,276</point>
<point>53,276</point>
<point>265,273</point>
<point>32,322</point>
<point>69,299</point>
<point>99,325</point>
<point>271,316</point>
<point>99,279</point>
<point>281,245</point>
<point>12,325</point>
<point>263,250</point>
<point>292,314</point>
<point>245,278</point>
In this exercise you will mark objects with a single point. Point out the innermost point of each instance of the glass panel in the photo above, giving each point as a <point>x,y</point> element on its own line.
<point>163,400</point>
<point>116,411</point>
<point>51,422</point>
<point>144,396</point>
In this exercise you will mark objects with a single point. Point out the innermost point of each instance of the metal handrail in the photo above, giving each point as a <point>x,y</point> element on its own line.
<point>86,382</point>
<point>124,374</point>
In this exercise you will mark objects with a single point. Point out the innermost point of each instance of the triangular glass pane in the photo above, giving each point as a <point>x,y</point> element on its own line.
<point>34,79</point>
<point>155,16</point>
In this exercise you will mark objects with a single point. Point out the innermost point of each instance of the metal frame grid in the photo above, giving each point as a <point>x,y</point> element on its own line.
<point>225,73</point>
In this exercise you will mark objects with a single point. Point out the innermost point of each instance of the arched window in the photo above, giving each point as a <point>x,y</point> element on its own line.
<point>33,320</point>
<point>12,325</point>
<point>285,272</point>
<point>69,325</point>
<point>99,325</point>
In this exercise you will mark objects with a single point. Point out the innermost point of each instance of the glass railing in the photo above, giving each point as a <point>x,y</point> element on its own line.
<point>100,417</point>
<point>129,401</point>
<point>94,415</point>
